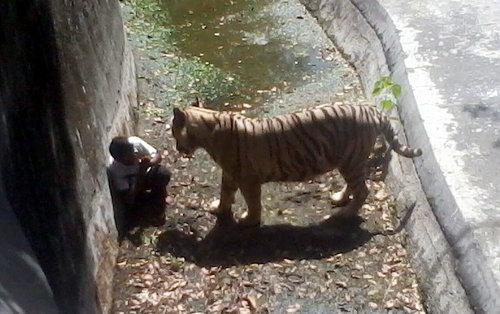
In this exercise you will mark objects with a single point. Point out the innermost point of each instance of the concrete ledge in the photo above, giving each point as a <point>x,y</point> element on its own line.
<point>365,33</point>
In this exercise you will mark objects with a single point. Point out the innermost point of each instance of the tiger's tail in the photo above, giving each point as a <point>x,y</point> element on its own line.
<point>392,139</point>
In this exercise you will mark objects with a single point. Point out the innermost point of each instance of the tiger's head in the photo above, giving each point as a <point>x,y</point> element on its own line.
<point>192,128</point>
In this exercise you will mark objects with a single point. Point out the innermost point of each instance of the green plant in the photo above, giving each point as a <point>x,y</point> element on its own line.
<point>150,240</point>
<point>389,92</point>
<point>182,75</point>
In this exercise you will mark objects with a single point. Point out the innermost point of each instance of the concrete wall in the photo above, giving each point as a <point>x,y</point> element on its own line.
<point>23,285</point>
<point>364,32</point>
<point>67,86</point>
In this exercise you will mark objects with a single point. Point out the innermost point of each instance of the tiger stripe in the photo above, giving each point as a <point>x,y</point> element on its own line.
<point>291,147</point>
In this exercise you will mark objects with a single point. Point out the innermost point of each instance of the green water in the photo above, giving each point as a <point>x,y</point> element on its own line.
<point>233,51</point>
<point>240,38</point>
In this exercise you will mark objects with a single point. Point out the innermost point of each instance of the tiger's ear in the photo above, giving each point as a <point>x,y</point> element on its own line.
<point>179,116</point>
<point>198,103</point>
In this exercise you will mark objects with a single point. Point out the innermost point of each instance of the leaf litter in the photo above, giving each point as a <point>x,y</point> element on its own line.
<point>191,264</point>
<point>299,261</point>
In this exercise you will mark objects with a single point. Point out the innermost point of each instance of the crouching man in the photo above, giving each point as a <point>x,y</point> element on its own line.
<point>137,180</point>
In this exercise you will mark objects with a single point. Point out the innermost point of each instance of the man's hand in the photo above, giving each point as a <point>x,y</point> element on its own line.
<point>156,159</point>
<point>144,164</point>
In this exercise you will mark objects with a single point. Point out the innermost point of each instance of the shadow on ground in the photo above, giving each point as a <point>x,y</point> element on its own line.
<point>150,213</point>
<point>228,244</point>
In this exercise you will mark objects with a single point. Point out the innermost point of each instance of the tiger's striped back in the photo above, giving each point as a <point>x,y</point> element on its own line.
<point>297,146</point>
<point>292,147</point>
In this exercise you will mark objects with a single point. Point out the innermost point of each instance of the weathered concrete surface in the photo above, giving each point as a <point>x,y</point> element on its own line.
<point>67,86</point>
<point>453,60</point>
<point>368,37</point>
<point>98,90</point>
<point>23,285</point>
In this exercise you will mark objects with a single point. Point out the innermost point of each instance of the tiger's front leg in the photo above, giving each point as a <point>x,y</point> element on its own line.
<point>341,198</point>
<point>228,191</point>
<point>252,194</point>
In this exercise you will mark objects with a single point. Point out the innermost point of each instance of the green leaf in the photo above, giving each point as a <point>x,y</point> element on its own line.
<point>387,104</point>
<point>378,87</point>
<point>396,90</point>
<point>386,81</point>
<point>376,91</point>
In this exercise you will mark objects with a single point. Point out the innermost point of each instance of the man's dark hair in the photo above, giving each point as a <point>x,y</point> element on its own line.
<point>120,147</point>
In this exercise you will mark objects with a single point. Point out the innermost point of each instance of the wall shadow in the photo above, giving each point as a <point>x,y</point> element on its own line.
<point>132,221</point>
<point>37,160</point>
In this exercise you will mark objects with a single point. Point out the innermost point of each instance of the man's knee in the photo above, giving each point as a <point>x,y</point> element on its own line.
<point>163,175</point>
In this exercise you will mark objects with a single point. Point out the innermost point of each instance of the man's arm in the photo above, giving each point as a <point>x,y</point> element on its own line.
<point>152,156</point>
<point>123,187</point>
<point>157,158</point>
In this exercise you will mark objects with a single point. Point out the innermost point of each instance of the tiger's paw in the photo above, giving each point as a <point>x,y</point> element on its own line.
<point>215,207</point>
<point>225,219</point>
<point>339,202</point>
<point>217,210</point>
<point>249,221</point>
<point>340,198</point>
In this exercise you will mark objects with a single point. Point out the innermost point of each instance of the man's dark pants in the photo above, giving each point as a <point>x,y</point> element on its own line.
<point>149,205</point>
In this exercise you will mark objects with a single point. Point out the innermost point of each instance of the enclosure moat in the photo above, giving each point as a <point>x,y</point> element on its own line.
<point>259,58</point>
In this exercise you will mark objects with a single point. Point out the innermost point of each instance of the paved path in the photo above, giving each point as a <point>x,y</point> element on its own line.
<point>453,60</point>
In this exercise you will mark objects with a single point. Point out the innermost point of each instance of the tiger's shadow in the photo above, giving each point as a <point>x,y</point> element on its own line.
<point>227,244</point>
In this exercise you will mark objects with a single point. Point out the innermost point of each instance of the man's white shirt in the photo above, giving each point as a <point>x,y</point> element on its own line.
<point>123,177</point>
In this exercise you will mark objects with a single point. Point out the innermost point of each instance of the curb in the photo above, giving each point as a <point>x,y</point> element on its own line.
<point>365,33</point>
<point>477,280</point>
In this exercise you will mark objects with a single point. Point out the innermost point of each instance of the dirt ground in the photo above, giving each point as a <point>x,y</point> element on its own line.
<point>299,261</point>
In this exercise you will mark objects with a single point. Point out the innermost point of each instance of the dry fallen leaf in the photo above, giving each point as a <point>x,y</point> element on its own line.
<point>341,284</point>
<point>297,265</point>
<point>293,308</point>
<point>381,195</point>
<point>373,292</point>
<point>390,304</point>
<point>252,302</point>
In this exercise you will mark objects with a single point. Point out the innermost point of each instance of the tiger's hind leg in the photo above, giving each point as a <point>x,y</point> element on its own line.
<point>356,184</point>
<point>252,193</point>
<point>379,173</point>
<point>378,163</point>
